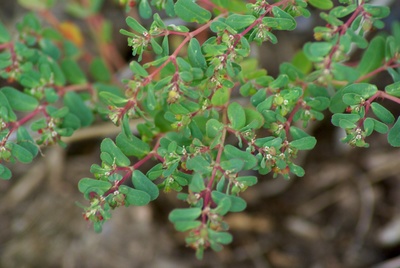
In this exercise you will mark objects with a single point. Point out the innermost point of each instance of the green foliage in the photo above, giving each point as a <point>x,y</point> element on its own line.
<point>184,94</point>
<point>189,11</point>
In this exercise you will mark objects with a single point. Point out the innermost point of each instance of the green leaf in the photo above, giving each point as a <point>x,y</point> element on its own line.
<point>195,55</point>
<point>86,185</point>
<point>344,73</point>
<point>39,124</point>
<point>213,128</point>
<point>297,133</point>
<point>49,48</point>
<point>220,237</point>
<point>132,145</point>
<point>286,21</point>
<point>25,140</point>
<point>394,134</point>
<point>346,124</point>
<point>19,101</point>
<point>343,11</point>
<point>231,5</point>
<point>99,70</point>
<point>278,24</point>
<point>145,9</point>
<point>165,46</point>
<point>71,121</point>
<point>382,113</point>
<point>51,95</point>
<point>358,39</point>
<point>223,206</point>
<point>247,180</point>
<point>6,111</point>
<point>107,158</point>
<point>108,146</point>
<point>352,99</point>
<point>306,143</point>
<point>393,89</point>
<point>127,33</point>
<point>254,120</point>
<point>301,63</point>
<point>4,63</point>
<point>183,226</point>
<point>318,103</point>
<point>110,98</point>
<point>377,126</point>
<point>58,74</point>
<point>221,3</point>
<point>296,170</point>
<point>156,47</point>
<point>373,56</point>
<point>368,126</point>
<point>220,25</point>
<point>337,105</point>
<point>236,115</point>
<point>73,72</point>
<point>396,32</point>
<point>189,11</point>
<point>237,204</point>
<point>321,4</point>
<point>220,97</point>
<point>169,8</point>
<point>238,21</point>
<point>78,108</point>
<point>272,38</point>
<point>249,160</point>
<point>143,183</point>
<point>336,118</point>
<point>184,214</point>
<point>365,90</point>
<point>377,12</point>
<point>135,25</point>
<point>316,51</point>
<point>4,34</point>
<point>30,79</point>
<point>197,184</point>
<point>232,165</point>
<point>261,97</point>
<point>180,28</point>
<point>133,196</point>
<point>23,155</point>
<point>5,173</point>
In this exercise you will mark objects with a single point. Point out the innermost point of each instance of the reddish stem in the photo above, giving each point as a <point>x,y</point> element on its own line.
<point>288,123</point>
<point>207,197</point>
<point>22,121</point>
<point>137,165</point>
<point>378,94</point>
<point>343,28</point>
<point>390,64</point>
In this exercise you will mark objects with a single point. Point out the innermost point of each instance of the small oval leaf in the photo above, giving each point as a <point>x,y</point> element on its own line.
<point>143,183</point>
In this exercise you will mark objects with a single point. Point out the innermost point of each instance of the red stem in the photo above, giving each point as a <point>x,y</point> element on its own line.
<point>22,121</point>
<point>207,197</point>
<point>389,64</point>
<point>137,165</point>
<point>291,116</point>
<point>188,37</point>
<point>378,94</point>
<point>343,28</point>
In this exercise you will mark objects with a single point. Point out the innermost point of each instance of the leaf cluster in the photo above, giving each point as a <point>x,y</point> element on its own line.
<point>185,96</point>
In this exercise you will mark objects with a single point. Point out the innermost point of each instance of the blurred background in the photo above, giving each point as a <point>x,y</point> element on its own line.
<point>343,213</point>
